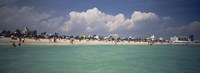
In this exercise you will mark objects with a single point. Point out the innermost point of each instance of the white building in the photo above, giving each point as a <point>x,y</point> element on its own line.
<point>96,37</point>
<point>152,37</point>
<point>161,39</point>
<point>180,39</point>
<point>113,36</point>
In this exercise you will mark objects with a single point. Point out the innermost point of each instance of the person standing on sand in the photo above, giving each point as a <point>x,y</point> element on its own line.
<point>54,39</point>
<point>23,40</point>
<point>20,39</point>
<point>19,43</point>
<point>13,44</point>
<point>71,41</point>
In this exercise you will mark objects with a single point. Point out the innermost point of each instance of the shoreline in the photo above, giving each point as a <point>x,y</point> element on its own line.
<point>8,41</point>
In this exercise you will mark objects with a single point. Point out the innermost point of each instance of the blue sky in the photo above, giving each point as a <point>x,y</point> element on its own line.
<point>139,18</point>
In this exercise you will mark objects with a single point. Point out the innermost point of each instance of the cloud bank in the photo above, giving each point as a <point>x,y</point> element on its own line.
<point>16,17</point>
<point>93,21</point>
<point>191,28</point>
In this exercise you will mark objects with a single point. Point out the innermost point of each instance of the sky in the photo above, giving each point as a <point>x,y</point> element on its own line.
<point>137,18</point>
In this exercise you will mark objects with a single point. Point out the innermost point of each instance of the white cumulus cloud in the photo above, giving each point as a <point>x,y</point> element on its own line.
<point>94,20</point>
<point>140,16</point>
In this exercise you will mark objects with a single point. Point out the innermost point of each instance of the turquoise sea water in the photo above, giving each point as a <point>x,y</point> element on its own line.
<point>100,59</point>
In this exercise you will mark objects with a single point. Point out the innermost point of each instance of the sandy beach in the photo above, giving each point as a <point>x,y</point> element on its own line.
<point>8,41</point>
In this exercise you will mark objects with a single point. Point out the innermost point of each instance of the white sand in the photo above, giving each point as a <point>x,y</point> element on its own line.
<point>67,42</point>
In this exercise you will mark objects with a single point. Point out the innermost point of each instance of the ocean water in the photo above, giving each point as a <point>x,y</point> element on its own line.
<point>100,59</point>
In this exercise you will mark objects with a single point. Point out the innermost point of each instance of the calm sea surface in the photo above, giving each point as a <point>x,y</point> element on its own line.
<point>100,59</point>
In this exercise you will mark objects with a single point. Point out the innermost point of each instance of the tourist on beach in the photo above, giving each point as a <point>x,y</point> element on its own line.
<point>23,39</point>
<point>71,41</point>
<point>19,43</point>
<point>54,39</point>
<point>20,39</point>
<point>13,44</point>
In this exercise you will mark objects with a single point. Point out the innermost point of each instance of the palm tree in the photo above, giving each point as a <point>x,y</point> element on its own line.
<point>18,33</point>
<point>34,33</point>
